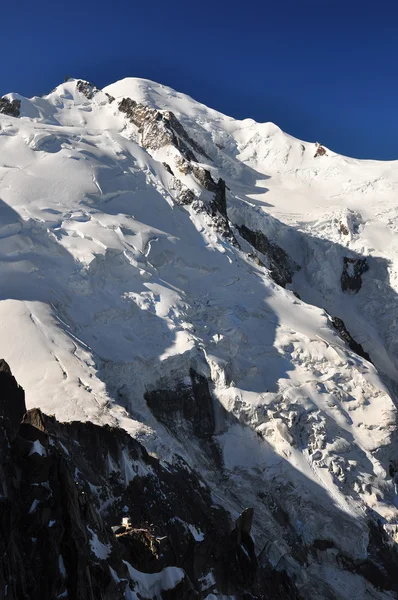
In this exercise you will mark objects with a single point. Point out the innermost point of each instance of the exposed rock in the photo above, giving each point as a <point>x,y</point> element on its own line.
<point>12,401</point>
<point>257,260</point>
<point>183,135</point>
<point>281,266</point>
<point>380,567</point>
<point>168,168</point>
<point>217,207</point>
<point>191,404</point>
<point>204,177</point>
<point>160,128</point>
<point>243,524</point>
<point>351,277</point>
<point>220,198</point>
<point>183,165</point>
<point>349,222</point>
<point>183,194</point>
<point>186,196</point>
<point>241,560</point>
<point>87,89</point>
<point>188,412</point>
<point>320,150</point>
<point>110,98</point>
<point>347,337</point>
<point>10,108</point>
<point>343,228</point>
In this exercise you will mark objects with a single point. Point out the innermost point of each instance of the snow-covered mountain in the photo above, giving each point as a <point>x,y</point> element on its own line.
<point>226,295</point>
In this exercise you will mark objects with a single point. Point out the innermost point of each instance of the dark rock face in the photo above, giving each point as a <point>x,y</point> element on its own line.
<point>12,401</point>
<point>219,202</point>
<point>87,89</point>
<point>188,411</point>
<point>218,211</point>
<point>240,555</point>
<point>320,150</point>
<point>45,520</point>
<point>380,568</point>
<point>160,128</point>
<point>351,277</point>
<point>217,207</point>
<point>192,404</point>
<point>204,177</point>
<point>220,199</point>
<point>183,194</point>
<point>282,267</point>
<point>168,168</point>
<point>10,108</point>
<point>343,228</point>
<point>183,135</point>
<point>347,337</point>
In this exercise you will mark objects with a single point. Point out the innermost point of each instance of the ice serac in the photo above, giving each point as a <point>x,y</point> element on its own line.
<point>168,275</point>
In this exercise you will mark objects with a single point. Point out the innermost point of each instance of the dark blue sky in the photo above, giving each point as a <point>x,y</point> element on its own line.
<point>323,70</point>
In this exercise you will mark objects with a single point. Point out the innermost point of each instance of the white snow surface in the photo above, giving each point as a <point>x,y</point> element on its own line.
<point>100,550</point>
<point>38,448</point>
<point>109,287</point>
<point>151,585</point>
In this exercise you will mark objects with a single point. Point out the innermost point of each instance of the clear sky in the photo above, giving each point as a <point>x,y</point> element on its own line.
<point>323,70</point>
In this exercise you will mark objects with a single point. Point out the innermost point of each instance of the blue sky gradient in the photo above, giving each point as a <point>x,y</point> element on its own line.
<point>322,70</point>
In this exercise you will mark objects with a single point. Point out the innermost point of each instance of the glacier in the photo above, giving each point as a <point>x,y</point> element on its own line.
<point>174,273</point>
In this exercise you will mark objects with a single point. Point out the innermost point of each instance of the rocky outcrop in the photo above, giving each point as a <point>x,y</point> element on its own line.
<point>347,337</point>
<point>12,401</point>
<point>219,203</point>
<point>281,266</point>
<point>204,177</point>
<point>182,194</point>
<point>168,168</point>
<point>160,128</point>
<point>11,108</point>
<point>87,89</point>
<point>351,277</point>
<point>191,402</point>
<point>216,208</point>
<point>343,228</point>
<point>187,411</point>
<point>320,150</point>
<point>46,520</point>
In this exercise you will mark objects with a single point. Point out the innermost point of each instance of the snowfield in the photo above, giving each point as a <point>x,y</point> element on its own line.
<point>111,288</point>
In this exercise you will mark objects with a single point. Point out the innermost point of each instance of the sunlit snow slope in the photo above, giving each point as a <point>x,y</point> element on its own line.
<point>110,288</point>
